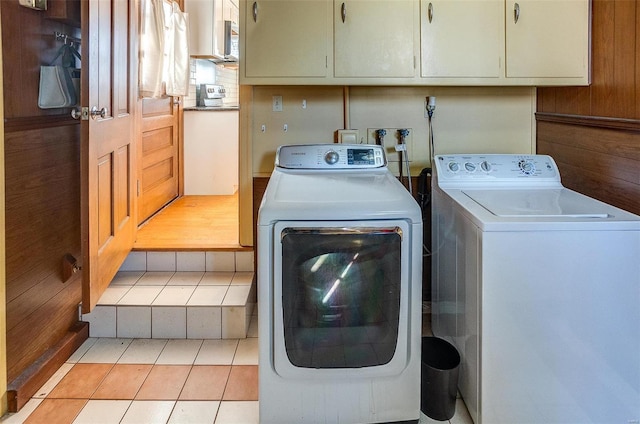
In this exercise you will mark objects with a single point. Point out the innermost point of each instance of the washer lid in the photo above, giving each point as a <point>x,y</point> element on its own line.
<point>547,203</point>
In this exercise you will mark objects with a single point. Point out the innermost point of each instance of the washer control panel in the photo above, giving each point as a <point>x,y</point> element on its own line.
<point>330,156</point>
<point>496,168</point>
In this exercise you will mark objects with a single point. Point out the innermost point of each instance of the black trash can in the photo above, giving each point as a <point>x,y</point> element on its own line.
<point>439,382</point>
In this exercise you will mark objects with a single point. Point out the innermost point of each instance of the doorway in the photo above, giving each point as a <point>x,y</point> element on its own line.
<point>203,212</point>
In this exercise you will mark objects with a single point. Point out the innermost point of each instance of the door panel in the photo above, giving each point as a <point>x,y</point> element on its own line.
<point>108,83</point>
<point>158,155</point>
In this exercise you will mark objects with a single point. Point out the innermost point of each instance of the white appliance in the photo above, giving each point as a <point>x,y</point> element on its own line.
<point>339,289</point>
<point>538,287</point>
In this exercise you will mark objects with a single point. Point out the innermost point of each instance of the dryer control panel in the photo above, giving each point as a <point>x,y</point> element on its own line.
<point>330,156</point>
<point>496,169</point>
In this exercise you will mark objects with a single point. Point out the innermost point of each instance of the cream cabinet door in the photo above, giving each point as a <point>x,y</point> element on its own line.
<point>203,38</point>
<point>375,38</point>
<point>286,38</point>
<point>462,38</point>
<point>547,39</point>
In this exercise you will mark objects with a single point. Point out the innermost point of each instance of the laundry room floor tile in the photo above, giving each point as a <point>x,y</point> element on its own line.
<point>206,382</point>
<point>122,382</point>
<point>80,382</point>
<point>164,382</point>
<point>242,384</point>
<point>56,411</point>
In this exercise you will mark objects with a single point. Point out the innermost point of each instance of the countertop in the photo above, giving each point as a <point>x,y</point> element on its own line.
<point>211,108</point>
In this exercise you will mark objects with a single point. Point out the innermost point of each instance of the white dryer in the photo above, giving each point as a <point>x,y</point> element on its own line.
<point>538,287</point>
<point>339,289</point>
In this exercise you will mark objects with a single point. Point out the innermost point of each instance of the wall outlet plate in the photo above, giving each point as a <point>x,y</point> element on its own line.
<point>348,136</point>
<point>34,4</point>
<point>277,103</point>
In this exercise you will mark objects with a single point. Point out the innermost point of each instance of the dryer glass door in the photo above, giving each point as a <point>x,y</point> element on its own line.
<point>341,296</point>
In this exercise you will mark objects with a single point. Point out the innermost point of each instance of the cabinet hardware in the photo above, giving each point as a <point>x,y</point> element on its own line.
<point>516,13</point>
<point>430,12</point>
<point>95,113</point>
<point>255,11</point>
<point>343,12</point>
<point>76,113</point>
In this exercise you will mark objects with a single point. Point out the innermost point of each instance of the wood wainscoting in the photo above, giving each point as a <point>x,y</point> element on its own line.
<point>42,227</point>
<point>42,204</point>
<point>596,157</point>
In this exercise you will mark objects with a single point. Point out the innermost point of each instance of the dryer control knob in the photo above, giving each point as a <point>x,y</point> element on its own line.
<point>470,167</point>
<point>331,157</point>
<point>453,166</point>
<point>485,166</point>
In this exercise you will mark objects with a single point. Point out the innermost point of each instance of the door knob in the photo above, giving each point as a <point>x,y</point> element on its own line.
<point>95,113</point>
<point>76,113</point>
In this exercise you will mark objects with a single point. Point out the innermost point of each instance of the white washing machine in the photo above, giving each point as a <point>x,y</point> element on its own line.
<point>339,289</point>
<point>538,287</point>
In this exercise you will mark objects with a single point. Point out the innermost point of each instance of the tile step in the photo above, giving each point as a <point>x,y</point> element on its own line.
<point>175,305</point>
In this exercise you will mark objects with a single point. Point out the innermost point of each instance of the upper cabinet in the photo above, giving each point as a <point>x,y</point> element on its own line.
<point>415,42</point>
<point>375,38</point>
<point>461,39</point>
<point>547,39</point>
<point>207,26</point>
<point>288,39</point>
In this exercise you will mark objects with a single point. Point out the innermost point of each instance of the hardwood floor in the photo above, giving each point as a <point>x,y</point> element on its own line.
<point>193,223</point>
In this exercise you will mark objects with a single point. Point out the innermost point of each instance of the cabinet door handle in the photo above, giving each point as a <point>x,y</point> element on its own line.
<point>516,13</point>
<point>255,11</point>
<point>430,12</point>
<point>343,11</point>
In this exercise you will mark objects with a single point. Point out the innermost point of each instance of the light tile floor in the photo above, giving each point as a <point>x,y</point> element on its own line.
<point>111,380</point>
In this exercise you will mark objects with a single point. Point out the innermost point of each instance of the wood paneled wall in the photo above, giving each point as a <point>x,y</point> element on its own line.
<point>594,132</point>
<point>42,166</point>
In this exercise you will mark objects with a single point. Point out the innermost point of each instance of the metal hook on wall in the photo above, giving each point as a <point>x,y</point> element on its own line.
<point>67,39</point>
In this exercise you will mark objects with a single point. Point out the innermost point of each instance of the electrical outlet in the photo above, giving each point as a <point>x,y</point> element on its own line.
<point>277,103</point>
<point>391,139</point>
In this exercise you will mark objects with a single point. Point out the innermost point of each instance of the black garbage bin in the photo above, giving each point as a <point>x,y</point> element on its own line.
<point>439,382</point>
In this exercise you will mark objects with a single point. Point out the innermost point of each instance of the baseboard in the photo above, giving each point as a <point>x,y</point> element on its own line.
<point>26,384</point>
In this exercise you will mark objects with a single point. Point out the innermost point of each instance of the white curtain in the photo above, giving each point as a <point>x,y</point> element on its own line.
<point>164,50</point>
<point>177,73</point>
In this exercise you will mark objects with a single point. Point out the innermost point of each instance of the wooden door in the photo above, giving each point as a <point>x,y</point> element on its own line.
<point>109,73</point>
<point>158,153</point>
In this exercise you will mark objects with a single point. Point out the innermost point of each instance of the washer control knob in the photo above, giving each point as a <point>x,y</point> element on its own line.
<point>470,166</point>
<point>453,166</point>
<point>527,167</point>
<point>331,157</point>
<point>485,166</point>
